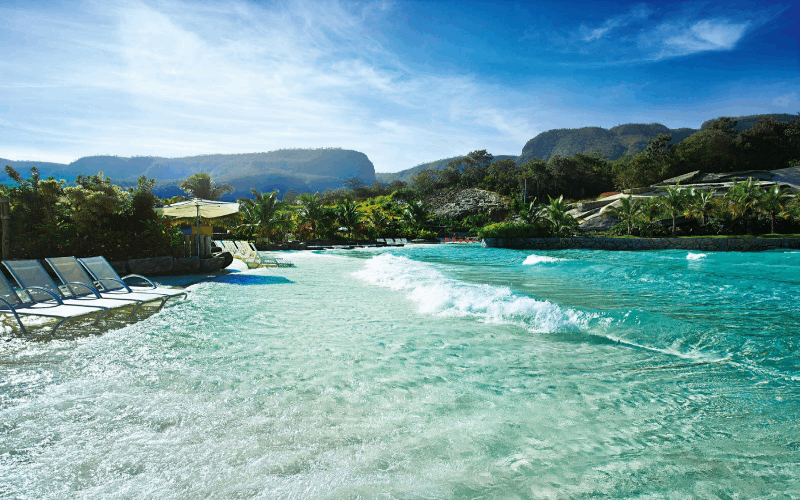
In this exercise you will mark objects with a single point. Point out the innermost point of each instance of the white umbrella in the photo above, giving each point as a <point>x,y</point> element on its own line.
<point>200,208</point>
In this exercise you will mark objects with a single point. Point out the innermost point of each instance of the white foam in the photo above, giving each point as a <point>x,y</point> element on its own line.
<point>696,256</point>
<point>439,295</point>
<point>534,259</point>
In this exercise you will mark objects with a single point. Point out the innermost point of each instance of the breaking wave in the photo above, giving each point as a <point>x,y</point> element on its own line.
<point>436,294</point>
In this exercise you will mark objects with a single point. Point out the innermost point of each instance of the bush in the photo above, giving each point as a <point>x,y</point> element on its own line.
<point>510,230</point>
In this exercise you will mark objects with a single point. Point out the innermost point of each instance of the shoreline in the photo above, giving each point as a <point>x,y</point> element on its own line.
<point>732,244</point>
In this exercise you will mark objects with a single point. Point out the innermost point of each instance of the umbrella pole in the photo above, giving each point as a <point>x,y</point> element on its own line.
<point>198,231</point>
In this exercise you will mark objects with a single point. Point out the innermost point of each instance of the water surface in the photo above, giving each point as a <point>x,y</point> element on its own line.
<point>427,372</point>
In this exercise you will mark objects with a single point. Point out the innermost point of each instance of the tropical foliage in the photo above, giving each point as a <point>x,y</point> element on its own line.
<point>202,186</point>
<point>94,217</point>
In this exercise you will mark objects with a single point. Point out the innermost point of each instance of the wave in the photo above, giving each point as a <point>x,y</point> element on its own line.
<point>534,259</point>
<point>436,294</point>
<point>696,256</point>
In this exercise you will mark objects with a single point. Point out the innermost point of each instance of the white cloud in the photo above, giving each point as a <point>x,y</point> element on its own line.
<point>637,13</point>
<point>174,78</point>
<point>701,36</point>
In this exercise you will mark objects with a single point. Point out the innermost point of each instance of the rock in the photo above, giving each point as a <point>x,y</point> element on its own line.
<point>120,266</point>
<point>459,203</point>
<point>213,264</point>
<point>227,259</point>
<point>598,224</point>
<point>150,267</point>
<point>187,265</point>
<point>591,205</point>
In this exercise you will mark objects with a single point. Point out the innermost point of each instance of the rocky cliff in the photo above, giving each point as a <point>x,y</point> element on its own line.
<point>459,203</point>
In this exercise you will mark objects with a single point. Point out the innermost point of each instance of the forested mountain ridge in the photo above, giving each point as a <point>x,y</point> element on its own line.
<point>301,169</point>
<point>408,174</point>
<point>622,140</point>
<point>628,139</point>
<point>747,122</point>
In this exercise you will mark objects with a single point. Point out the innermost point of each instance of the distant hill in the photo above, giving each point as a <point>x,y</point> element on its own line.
<point>747,122</point>
<point>622,140</point>
<point>408,174</point>
<point>306,170</point>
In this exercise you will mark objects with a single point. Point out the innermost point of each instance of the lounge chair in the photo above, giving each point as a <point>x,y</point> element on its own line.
<point>30,275</point>
<point>71,273</point>
<point>103,274</point>
<point>243,253</point>
<point>23,304</point>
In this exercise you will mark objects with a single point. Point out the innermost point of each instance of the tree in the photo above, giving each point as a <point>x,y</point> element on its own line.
<point>261,211</point>
<point>771,203</point>
<point>556,213</point>
<point>201,186</point>
<point>415,215</point>
<point>626,212</point>
<point>533,214</point>
<point>348,215</point>
<point>742,198</point>
<point>536,171</point>
<point>699,203</point>
<point>312,212</point>
<point>674,203</point>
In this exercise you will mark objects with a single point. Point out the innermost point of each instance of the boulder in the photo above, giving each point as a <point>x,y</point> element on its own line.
<point>150,267</point>
<point>598,224</point>
<point>187,265</point>
<point>213,264</point>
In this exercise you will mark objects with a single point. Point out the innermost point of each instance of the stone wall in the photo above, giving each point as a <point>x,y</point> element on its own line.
<point>702,244</point>
<point>165,266</point>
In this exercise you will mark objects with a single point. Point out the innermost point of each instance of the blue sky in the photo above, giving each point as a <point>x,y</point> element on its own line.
<point>404,82</point>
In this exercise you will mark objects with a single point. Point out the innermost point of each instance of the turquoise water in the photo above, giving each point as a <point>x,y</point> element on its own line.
<point>427,372</point>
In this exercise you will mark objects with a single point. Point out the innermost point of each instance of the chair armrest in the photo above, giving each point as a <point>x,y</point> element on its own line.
<point>92,289</point>
<point>9,304</point>
<point>99,283</point>
<point>141,278</point>
<point>45,290</point>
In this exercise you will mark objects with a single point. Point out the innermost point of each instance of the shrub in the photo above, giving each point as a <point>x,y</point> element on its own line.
<point>510,230</point>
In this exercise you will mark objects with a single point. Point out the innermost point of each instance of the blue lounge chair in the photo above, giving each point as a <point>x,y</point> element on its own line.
<point>21,303</point>
<point>30,275</point>
<point>106,277</point>
<point>72,274</point>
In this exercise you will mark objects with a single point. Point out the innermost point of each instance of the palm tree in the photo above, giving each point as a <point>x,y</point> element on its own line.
<point>201,186</point>
<point>378,221</point>
<point>415,215</point>
<point>261,211</point>
<point>771,203</point>
<point>348,215</point>
<point>312,211</point>
<point>673,202</point>
<point>742,198</point>
<point>699,203</point>
<point>556,213</point>
<point>650,208</point>
<point>532,214</point>
<point>627,212</point>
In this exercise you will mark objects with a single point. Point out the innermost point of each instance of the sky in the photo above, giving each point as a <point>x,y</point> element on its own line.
<point>404,82</point>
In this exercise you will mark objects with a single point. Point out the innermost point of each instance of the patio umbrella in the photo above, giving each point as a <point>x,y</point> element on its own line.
<point>200,208</point>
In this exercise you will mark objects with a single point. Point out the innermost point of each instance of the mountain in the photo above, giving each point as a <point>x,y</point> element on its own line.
<point>747,122</point>
<point>408,174</point>
<point>306,170</point>
<point>622,140</point>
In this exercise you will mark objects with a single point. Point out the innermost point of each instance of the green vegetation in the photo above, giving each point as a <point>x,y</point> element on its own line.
<point>94,216</point>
